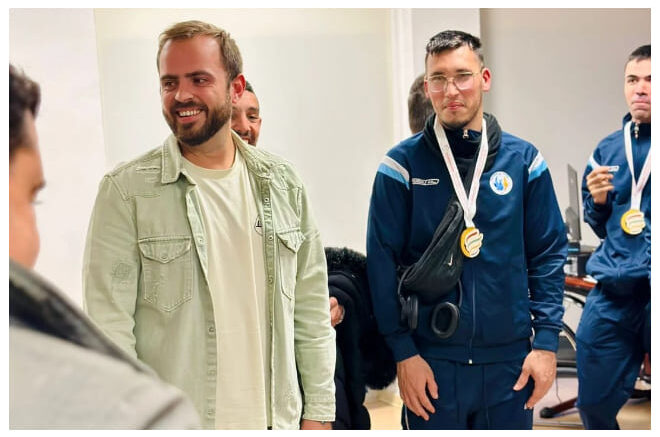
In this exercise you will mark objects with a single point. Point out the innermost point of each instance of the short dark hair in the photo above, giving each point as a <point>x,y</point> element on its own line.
<point>248,87</point>
<point>451,40</point>
<point>641,52</point>
<point>24,95</point>
<point>419,105</point>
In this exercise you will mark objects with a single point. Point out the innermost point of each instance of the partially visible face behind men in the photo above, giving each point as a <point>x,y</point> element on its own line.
<point>195,93</point>
<point>458,109</point>
<point>25,180</point>
<point>245,119</point>
<point>637,89</point>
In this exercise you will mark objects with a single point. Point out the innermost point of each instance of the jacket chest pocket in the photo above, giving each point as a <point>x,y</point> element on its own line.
<point>167,271</point>
<point>289,243</point>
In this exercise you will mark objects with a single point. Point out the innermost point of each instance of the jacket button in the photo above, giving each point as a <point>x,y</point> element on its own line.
<point>266,200</point>
<point>211,329</point>
<point>270,279</point>
<point>270,238</point>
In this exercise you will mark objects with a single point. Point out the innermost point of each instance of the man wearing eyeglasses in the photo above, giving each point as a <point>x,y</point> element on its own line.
<point>487,373</point>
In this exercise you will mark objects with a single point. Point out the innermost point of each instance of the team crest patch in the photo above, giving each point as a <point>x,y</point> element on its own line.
<point>501,183</point>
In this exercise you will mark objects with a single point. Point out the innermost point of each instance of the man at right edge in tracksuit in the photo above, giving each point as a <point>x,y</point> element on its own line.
<point>616,191</point>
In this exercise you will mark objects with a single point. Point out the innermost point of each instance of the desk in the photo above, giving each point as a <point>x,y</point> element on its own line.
<point>578,284</point>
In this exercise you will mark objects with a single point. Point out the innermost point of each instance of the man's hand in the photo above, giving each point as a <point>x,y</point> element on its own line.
<point>415,375</point>
<point>315,425</point>
<point>599,183</point>
<point>541,365</point>
<point>336,312</point>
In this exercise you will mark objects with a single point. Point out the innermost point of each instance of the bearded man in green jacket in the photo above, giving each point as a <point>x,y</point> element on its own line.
<point>204,261</point>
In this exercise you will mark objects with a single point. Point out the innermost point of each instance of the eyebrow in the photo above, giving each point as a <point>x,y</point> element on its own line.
<point>458,71</point>
<point>192,74</point>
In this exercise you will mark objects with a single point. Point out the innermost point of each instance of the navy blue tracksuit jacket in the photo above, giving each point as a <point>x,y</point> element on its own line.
<point>512,290</point>
<point>613,326</point>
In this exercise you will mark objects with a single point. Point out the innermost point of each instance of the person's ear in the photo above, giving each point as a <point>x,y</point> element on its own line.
<point>237,88</point>
<point>485,79</point>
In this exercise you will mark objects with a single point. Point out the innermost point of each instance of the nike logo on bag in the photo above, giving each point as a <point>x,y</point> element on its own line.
<point>451,259</point>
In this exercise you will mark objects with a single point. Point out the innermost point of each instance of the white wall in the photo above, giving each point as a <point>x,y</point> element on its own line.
<point>428,22</point>
<point>558,79</point>
<point>323,80</point>
<point>330,82</point>
<point>57,48</point>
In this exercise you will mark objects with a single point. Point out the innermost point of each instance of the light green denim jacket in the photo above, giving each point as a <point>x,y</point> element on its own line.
<point>145,281</point>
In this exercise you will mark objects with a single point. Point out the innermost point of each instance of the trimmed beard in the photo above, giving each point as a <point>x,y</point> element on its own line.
<point>215,120</point>
<point>460,124</point>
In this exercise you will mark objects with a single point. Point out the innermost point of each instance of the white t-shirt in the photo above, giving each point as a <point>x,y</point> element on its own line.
<point>237,281</point>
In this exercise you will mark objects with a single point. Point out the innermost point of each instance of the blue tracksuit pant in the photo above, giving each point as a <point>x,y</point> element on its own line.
<point>475,396</point>
<point>610,351</point>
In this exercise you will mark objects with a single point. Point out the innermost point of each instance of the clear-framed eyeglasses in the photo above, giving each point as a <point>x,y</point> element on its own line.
<point>438,83</point>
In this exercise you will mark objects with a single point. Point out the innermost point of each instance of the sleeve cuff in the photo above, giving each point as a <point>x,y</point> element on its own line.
<point>546,339</point>
<point>319,411</point>
<point>600,208</point>
<point>402,346</point>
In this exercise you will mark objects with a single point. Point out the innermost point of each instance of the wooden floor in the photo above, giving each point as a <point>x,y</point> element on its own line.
<point>385,410</point>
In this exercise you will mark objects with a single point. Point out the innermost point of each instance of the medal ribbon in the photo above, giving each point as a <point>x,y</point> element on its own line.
<point>469,203</point>
<point>637,187</point>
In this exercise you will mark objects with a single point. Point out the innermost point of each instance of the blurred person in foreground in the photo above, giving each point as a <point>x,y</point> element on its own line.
<point>63,372</point>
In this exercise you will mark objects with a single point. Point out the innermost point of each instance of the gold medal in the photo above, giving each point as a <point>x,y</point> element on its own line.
<point>632,222</point>
<point>471,242</point>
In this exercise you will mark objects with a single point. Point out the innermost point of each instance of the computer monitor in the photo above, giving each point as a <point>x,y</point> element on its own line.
<point>573,211</point>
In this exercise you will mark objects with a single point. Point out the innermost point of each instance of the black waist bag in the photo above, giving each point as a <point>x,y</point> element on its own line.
<point>439,268</point>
